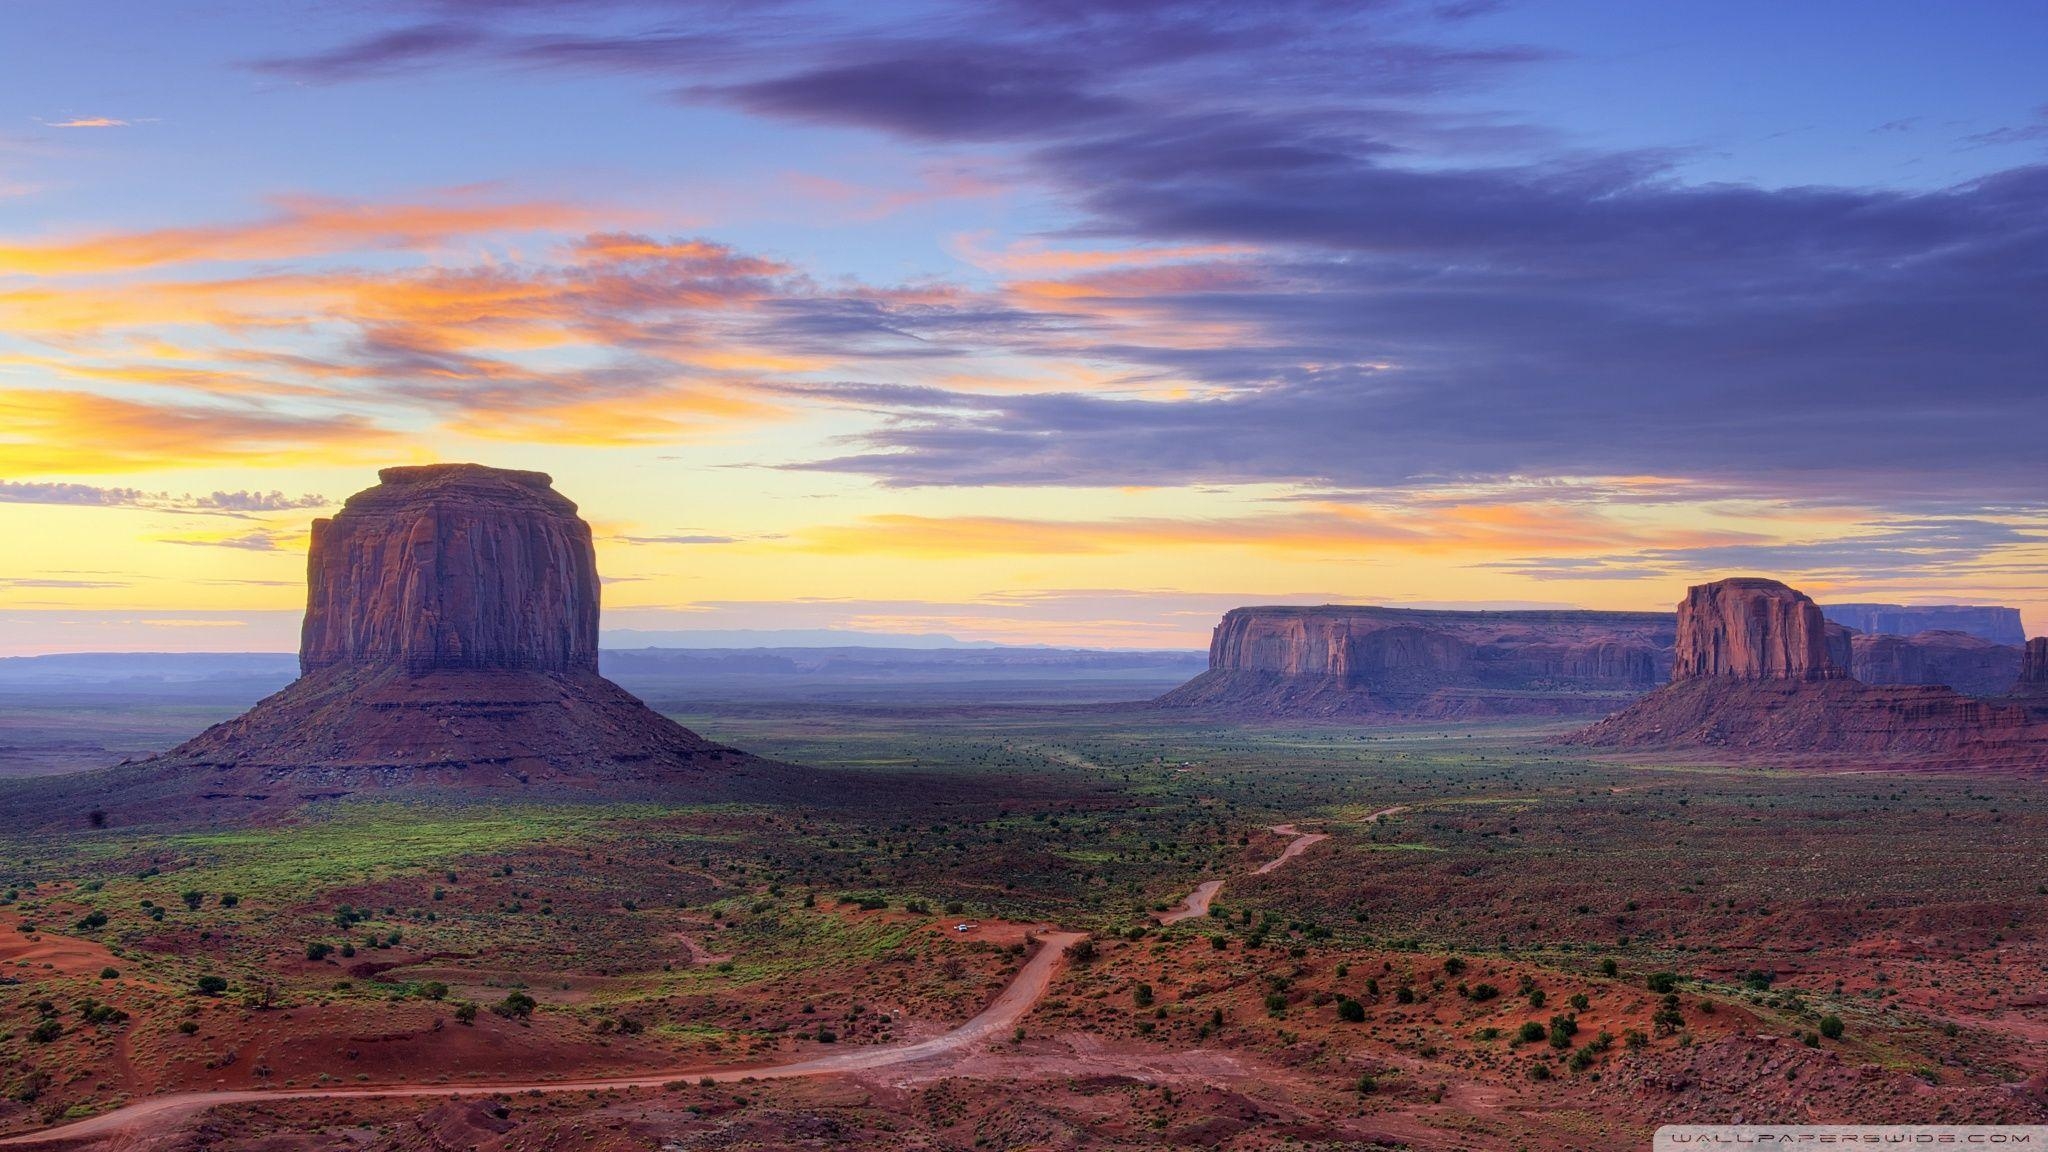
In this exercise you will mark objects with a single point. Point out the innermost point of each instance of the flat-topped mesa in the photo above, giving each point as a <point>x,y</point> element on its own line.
<point>1966,663</point>
<point>1751,628</point>
<point>1360,661</point>
<point>1999,625</point>
<point>452,566</point>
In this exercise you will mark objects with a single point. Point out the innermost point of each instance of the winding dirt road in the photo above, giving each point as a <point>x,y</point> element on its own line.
<point>1197,902</point>
<point>151,1115</point>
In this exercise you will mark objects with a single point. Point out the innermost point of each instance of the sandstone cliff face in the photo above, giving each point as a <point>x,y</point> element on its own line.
<point>1961,661</point>
<point>452,566</point>
<point>1996,625</point>
<point>1749,628</point>
<point>2033,679</point>
<point>1353,661</point>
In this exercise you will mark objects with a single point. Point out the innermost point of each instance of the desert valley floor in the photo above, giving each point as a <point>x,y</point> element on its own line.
<point>1499,943</point>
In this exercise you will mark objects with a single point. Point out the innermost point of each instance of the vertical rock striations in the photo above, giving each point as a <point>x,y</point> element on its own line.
<point>452,566</point>
<point>2033,681</point>
<point>1749,628</point>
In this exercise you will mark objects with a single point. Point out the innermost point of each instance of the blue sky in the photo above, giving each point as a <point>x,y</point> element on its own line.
<point>1028,319</point>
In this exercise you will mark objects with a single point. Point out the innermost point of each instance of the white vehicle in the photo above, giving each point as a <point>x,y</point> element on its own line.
<point>965,927</point>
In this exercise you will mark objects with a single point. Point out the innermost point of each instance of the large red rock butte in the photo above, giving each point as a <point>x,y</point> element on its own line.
<point>452,566</point>
<point>1749,628</point>
<point>450,643</point>
<point>1364,662</point>
<point>1759,675</point>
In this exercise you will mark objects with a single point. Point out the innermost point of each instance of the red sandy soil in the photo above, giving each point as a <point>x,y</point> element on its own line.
<point>1011,1005</point>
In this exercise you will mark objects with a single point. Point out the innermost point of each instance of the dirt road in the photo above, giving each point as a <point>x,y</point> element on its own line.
<point>152,1115</point>
<point>1295,847</point>
<point>1198,901</point>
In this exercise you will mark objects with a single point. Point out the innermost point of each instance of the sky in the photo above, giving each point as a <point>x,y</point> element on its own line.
<point>1028,321</point>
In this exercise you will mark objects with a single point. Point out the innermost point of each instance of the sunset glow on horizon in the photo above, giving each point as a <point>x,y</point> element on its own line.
<point>1026,322</point>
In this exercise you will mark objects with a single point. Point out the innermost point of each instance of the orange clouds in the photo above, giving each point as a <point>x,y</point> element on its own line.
<point>301,226</point>
<point>617,338</point>
<point>47,432</point>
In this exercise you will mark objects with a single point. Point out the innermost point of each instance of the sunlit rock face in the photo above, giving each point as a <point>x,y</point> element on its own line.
<point>452,566</point>
<point>1750,628</point>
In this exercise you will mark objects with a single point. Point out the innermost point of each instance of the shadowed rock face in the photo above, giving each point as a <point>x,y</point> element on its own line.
<point>2034,668</point>
<point>1964,662</point>
<point>1339,660</point>
<point>452,566</point>
<point>1986,622</point>
<point>1749,628</point>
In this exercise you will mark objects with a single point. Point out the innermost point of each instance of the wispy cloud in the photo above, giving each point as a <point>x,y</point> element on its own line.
<point>678,539</point>
<point>87,122</point>
<point>298,226</point>
<point>94,496</point>
<point>254,540</point>
<point>52,432</point>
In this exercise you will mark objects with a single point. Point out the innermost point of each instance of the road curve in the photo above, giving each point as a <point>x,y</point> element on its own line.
<point>1197,902</point>
<point>151,1114</point>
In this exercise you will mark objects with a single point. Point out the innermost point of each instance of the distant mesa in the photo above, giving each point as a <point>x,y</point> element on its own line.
<point>1363,663</point>
<point>1369,664</point>
<point>1969,664</point>
<point>1760,673</point>
<point>450,641</point>
<point>1996,625</point>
